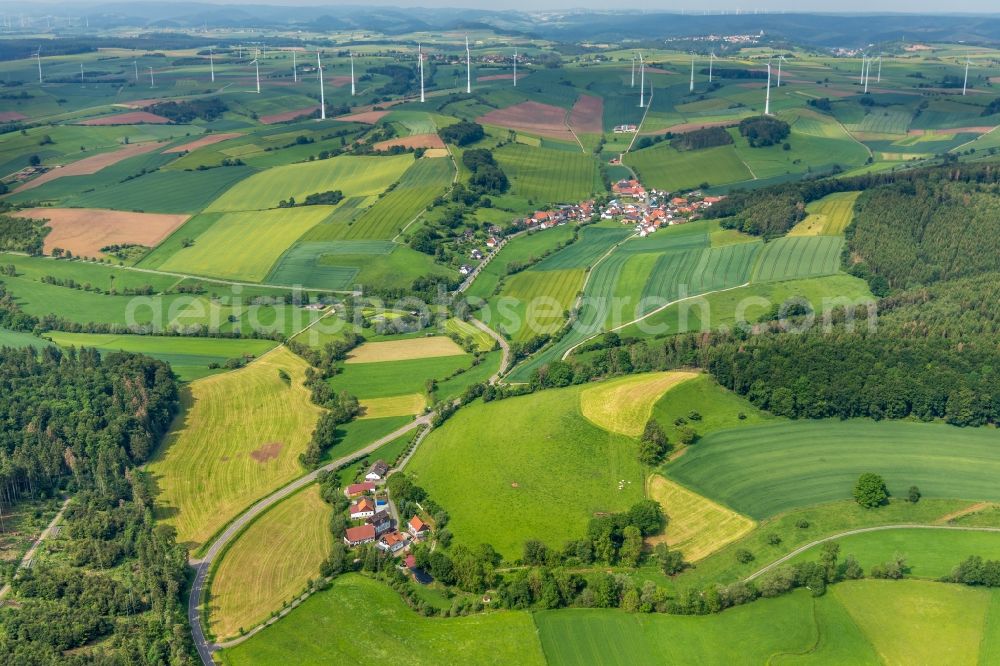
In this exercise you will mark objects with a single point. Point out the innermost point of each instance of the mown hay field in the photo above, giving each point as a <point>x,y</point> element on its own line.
<point>625,405</point>
<point>404,350</point>
<point>827,217</point>
<point>237,437</point>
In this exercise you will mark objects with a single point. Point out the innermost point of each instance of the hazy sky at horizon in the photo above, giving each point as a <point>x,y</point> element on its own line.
<point>746,6</point>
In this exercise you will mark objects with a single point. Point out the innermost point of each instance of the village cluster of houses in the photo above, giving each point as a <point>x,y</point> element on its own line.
<point>375,523</point>
<point>651,209</point>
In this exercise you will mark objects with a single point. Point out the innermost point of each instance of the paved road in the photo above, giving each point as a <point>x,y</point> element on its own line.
<point>28,556</point>
<point>862,530</point>
<point>504,346</point>
<point>203,565</point>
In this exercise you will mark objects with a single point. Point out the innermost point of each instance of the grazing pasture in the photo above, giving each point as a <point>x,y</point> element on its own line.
<point>404,350</point>
<point>237,437</point>
<point>189,357</point>
<point>766,469</point>
<point>716,408</point>
<point>625,405</point>
<point>359,620</point>
<point>798,257</point>
<point>245,245</point>
<point>827,217</point>
<point>353,175</point>
<point>497,463</point>
<point>548,176</point>
<point>259,573</point>
<point>90,165</point>
<point>385,380</point>
<point>84,231</point>
<point>696,526</point>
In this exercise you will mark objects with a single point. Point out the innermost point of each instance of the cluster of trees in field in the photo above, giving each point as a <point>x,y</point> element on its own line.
<point>22,234</point>
<point>735,73</point>
<point>402,79</point>
<point>487,176</point>
<point>208,109</point>
<point>762,131</point>
<point>327,198</point>
<point>706,137</point>
<point>80,422</point>
<point>974,570</point>
<point>462,133</point>
<point>924,231</point>
<point>992,107</point>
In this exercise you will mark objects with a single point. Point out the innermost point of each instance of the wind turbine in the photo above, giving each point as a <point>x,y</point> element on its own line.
<point>152,83</point>
<point>781,59</point>
<point>642,82</point>
<point>767,97</point>
<point>295,71</point>
<point>211,63</point>
<point>136,64</point>
<point>38,56</point>
<point>352,72</point>
<point>868,72</point>
<point>878,78</point>
<point>468,67</point>
<point>420,57</point>
<point>256,64</point>
<point>515,66</point>
<point>711,60</point>
<point>965,82</point>
<point>81,73</point>
<point>864,60</point>
<point>322,95</point>
<point>691,87</point>
<point>633,70</point>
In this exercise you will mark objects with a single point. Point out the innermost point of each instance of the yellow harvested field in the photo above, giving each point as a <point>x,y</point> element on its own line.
<point>238,437</point>
<point>696,525</point>
<point>84,231</point>
<point>270,563</point>
<point>624,405</point>
<point>398,405</point>
<point>827,217</point>
<point>404,350</point>
<point>436,152</point>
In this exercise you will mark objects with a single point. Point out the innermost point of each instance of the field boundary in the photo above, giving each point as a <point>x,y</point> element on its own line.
<point>862,530</point>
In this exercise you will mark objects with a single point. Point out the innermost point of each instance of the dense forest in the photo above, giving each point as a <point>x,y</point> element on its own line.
<point>74,421</point>
<point>184,112</point>
<point>706,137</point>
<point>22,234</point>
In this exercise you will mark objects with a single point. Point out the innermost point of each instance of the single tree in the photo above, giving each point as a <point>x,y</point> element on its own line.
<point>870,490</point>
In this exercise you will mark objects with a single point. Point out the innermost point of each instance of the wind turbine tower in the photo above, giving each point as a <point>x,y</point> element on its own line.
<point>781,58</point>
<point>864,60</point>
<point>711,61</point>
<point>965,82</point>
<point>295,70</point>
<point>691,87</point>
<point>515,67</point>
<point>642,82</point>
<point>468,67</point>
<point>633,70</point>
<point>136,63</point>
<point>322,95</point>
<point>81,73</point>
<point>256,64</point>
<point>868,72</point>
<point>420,56</point>
<point>878,77</point>
<point>352,72</point>
<point>211,63</point>
<point>38,57</point>
<point>152,83</point>
<point>767,96</point>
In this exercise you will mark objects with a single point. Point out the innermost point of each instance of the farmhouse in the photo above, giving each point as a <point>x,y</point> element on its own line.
<point>377,471</point>
<point>355,536</point>
<point>629,188</point>
<point>359,489</point>
<point>381,521</point>
<point>393,542</point>
<point>418,528</point>
<point>626,129</point>
<point>363,508</point>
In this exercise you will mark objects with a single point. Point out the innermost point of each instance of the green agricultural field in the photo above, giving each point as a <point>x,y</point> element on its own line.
<point>17,339</point>
<point>256,575</point>
<point>244,246</point>
<point>359,620</point>
<point>354,176</point>
<point>537,301</point>
<point>766,469</point>
<point>481,339</point>
<point>547,176</point>
<point>798,257</point>
<point>717,408</point>
<point>594,242</point>
<point>827,217</point>
<point>425,180</point>
<point>384,380</point>
<point>359,433</point>
<point>748,304</point>
<point>396,270</point>
<point>663,167</point>
<point>237,437</point>
<point>188,357</point>
<point>930,553</point>
<point>545,454</point>
<point>522,249</point>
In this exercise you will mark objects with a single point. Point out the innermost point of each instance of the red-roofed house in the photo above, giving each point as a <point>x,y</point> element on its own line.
<point>363,508</point>
<point>410,562</point>
<point>393,542</point>
<point>418,528</point>
<point>355,536</point>
<point>358,489</point>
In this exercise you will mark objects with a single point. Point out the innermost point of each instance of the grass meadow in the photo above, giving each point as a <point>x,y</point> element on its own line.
<point>17,339</point>
<point>359,620</point>
<point>798,257</point>
<point>526,468</point>
<point>385,380</point>
<point>549,176</point>
<point>624,405</point>
<point>238,436</point>
<point>258,572</point>
<point>827,217</point>
<point>767,469</point>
